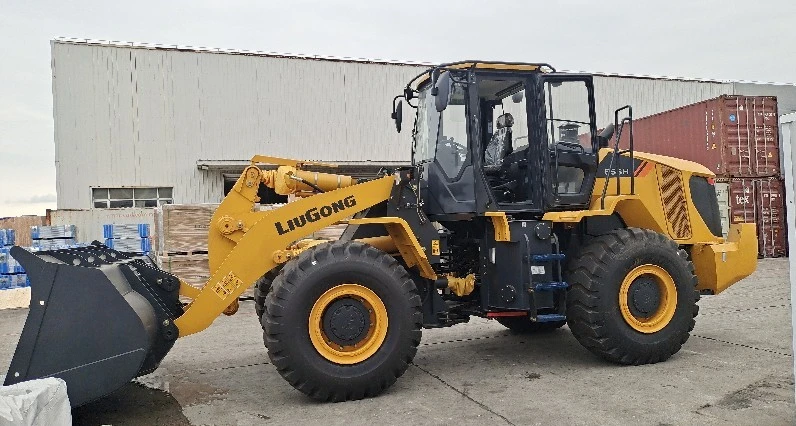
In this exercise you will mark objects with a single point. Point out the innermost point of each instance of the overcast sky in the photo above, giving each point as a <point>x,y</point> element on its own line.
<point>749,40</point>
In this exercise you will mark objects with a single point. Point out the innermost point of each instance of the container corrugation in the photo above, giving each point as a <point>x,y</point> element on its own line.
<point>21,226</point>
<point>733,136</point>
<point>132,230</point>
<point>761,201</point>
<point>52,232</point>
<point>135,245</point>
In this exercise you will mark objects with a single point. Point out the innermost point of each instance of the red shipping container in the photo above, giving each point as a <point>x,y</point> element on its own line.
<point>761,201</point>
<point>733,136</point>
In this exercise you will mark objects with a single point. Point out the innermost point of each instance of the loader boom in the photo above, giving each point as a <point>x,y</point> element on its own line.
<point>242,242</point>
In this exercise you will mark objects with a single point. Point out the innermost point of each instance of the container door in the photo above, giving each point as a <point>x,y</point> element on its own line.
<point>749,136</point>
<point>771,228</point>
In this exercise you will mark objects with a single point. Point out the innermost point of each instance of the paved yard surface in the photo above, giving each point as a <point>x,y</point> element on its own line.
<point>735,369</point>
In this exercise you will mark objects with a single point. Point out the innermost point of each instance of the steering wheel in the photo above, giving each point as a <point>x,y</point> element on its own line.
<point>572,145</point>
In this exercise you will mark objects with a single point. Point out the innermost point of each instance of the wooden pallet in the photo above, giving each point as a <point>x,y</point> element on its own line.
<point>183,228</point>
<point>194,269</point>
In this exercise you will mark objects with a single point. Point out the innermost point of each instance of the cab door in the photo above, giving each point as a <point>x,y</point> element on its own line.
<point>570,129</point>
<point>445,167</point>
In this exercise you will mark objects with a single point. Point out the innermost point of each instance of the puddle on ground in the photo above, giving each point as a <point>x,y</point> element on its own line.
<point>186,393</point>
<point>147,401</point>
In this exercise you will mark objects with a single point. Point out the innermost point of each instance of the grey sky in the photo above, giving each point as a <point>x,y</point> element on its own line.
<point>750,40</point>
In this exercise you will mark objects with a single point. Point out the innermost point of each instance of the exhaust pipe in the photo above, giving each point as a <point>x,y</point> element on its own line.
<point>98,318</point>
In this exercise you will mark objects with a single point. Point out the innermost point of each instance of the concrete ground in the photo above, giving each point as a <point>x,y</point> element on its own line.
<point>737,368</point>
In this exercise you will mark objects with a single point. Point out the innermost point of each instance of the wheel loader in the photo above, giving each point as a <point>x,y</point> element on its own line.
<point>515,208</point>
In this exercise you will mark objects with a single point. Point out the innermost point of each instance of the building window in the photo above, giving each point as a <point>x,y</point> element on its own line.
<point>130,197</point>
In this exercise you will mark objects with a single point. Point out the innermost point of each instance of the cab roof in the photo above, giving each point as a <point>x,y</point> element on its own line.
<point>483,65</point>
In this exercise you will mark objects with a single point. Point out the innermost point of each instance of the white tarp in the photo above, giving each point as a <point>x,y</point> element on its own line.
<point>35,402</point>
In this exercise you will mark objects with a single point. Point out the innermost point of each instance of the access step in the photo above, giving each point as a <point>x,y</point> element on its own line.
<point>555,285</point>
<point>550,318</point>
<point>547,257</point>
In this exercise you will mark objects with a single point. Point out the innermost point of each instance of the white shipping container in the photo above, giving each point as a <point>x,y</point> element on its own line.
<point>89,222</point>
<point>788,129</point>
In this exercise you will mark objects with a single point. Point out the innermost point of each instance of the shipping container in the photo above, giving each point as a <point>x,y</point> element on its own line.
<point>788,129</point>
<point>760,201</point>
<point>733,136</point>
<point>90,223</point>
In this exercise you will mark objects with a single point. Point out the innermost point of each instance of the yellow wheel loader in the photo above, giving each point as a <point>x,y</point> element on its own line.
<point>515,208</point>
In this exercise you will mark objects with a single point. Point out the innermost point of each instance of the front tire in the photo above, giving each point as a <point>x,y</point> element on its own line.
<point>261,289</point>
<point>342,321</point>
<point>632,296</point>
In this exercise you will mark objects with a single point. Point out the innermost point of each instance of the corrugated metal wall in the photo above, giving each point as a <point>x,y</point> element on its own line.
<point>649,96</point>
<point>89,222</point>
<point>144,116</point>
<point>129,116</point>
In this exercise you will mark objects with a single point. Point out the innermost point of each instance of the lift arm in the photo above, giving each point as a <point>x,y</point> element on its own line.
<point>241,242</point>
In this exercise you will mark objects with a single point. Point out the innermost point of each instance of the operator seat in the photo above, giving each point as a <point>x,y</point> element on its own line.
<point>500,145</point>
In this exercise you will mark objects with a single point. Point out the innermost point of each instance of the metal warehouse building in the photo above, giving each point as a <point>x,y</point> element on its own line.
<point>137,124</point>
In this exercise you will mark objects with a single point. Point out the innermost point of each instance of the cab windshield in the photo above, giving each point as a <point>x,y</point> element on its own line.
<point>441,136</point>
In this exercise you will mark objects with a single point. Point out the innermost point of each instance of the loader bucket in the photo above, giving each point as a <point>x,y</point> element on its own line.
<point>98,318</point>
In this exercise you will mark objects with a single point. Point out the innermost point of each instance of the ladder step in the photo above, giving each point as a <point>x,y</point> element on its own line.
<point>556,285</point>
<point>547,257</point>
<point>550,318</point>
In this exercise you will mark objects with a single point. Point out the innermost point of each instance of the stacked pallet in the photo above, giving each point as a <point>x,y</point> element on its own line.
<point>736,137</point>
<point>182,240</point>
<point>182,230</point>
<point>11,273</point>
<point>20,225</point>
<point>53,237</point>
<point>128,237</point>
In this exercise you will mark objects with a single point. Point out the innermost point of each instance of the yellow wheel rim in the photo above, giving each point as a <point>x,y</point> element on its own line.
<point>667,301</point>
<point>362,349</point>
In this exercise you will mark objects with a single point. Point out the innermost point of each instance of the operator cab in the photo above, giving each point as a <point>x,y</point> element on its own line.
<point>518,138</point>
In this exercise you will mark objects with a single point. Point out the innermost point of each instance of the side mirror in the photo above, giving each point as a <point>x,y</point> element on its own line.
<point>604,138</point>
<point>397,115</point>
<point>408,94</point>
<point>444,86</point>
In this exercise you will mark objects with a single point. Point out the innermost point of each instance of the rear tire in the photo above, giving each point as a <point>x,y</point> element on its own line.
<point>524,325</point>
<point>601,300</point>
<point>292,321</point>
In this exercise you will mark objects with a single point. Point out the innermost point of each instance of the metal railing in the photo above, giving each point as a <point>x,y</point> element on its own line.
<point>609,173</point>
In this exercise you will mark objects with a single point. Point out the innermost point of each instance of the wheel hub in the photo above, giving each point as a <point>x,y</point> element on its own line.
<point>346,321</point>
<point>645,297</point>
